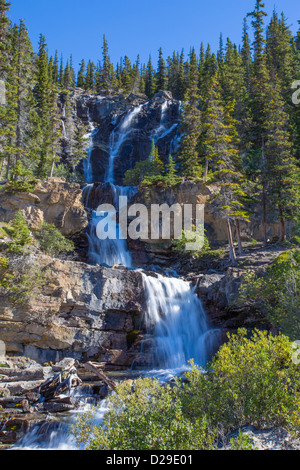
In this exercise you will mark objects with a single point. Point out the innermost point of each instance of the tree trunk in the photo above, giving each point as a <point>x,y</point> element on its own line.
<point>230,240</point>
<point>206,169</point>
<point>282,236</point>
<point>7,167</point>
<point>264,204</point>
<point>52,168</point>
<point>238,236</point>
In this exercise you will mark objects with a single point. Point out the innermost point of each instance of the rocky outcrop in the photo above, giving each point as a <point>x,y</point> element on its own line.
<point>53,200</point>
<point>219,291</point>
<point>82,312</point>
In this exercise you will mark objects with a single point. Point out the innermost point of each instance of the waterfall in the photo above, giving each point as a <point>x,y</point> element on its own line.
<point>178,322</point>
<point>174,315</point>
<point>87,162</point>
<point>117,138</point>
<point>63,129</point>
<point>55,435</point>
<point>109,252</point>
<point>160,131</point>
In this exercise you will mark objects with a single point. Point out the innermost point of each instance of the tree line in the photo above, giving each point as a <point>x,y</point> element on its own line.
<point>239,127</point>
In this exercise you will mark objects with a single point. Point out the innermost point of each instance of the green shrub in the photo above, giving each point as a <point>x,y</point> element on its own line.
<point>242,442</point>
<point>21,180</point>
<point>150,418</point>
<point>5,275</point>
<point>19,233</point>
<point>190,236</point>
<point>249,382</point>
<point>52,241</point>
<point>277,292</point>
<point>22,279</point>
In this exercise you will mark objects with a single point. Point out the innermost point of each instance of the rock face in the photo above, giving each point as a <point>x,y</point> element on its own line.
<point>219,291</point>
<point>158,119</point>
<point>84,312</point>
<point>54,201</point>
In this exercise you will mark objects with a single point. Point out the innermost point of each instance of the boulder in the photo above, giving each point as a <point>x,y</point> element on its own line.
<point>53,200</point>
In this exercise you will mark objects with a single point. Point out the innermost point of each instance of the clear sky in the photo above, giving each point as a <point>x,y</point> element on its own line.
<point>138,26</point>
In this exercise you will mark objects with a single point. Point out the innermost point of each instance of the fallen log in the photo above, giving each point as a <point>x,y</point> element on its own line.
<point>95,367</point>
<point>58,384</point>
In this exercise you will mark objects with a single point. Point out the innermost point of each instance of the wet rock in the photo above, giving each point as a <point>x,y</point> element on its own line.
<point>61,405</point>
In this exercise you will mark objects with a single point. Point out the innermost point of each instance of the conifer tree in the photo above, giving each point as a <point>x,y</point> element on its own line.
<point>246,55</point>
<point>81,74</point>
<point>4,23</point>
<point>149,79</point>
<point>191,123</point>
<point>108,79</point>
<point>283,176</point>
<point>127,76</point>
<point>161,75</point>
<point>90,76</point>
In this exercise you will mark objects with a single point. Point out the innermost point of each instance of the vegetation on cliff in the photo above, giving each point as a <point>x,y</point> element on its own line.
<point>275,292</point>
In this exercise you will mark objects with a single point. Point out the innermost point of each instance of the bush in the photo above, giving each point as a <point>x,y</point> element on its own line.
<point>52,241</point>
<point>19,233</point>
<point>22,180</point>
<point>249,382</point>
<point>190,236</point>
<point>5,276</point>
<point>21,278</point>
<point>150,418</point>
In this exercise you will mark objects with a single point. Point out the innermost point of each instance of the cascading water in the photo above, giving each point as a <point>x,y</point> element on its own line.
<point>117,138</point>
<point>87,163</point>
<point>178,321</point>
<point>111,252</point>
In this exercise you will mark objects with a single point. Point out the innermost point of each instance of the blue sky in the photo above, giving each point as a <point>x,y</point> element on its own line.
<point>138,26</point>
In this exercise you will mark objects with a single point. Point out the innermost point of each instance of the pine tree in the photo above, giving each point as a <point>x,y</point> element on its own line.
<point>55,68</point>
<point>67,78</point>
<point>283,176</point>
<point>171,178</point>
<point>81,74</point>
<point>246,55</point>
<point>4,43</point>
<point>90,76</point>
<point>191,123</point>
<point>149,79</point>
<point>108,79</point>
<point>127,76</point>
<point>47,113</point>
<point>161,75</point>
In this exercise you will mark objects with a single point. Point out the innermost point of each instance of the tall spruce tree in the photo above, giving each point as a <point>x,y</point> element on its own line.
<point>191,123</point>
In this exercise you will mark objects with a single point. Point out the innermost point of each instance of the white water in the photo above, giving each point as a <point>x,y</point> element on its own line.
<point>109,252</point>
<point>160,131</point>
<point>178,321</point>
<point>174,314</point>
<point>118,137</point>
<point>87,163</point>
